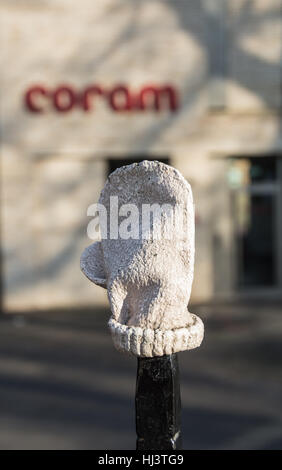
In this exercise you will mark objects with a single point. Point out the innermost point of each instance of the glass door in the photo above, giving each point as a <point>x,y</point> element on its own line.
<point>254,205</point>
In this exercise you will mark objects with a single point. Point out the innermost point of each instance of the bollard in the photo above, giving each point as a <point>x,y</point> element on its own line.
<point>146,264</point>
<point>158,403</point>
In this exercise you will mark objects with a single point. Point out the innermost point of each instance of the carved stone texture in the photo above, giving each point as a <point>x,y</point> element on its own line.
<point>149,275</point>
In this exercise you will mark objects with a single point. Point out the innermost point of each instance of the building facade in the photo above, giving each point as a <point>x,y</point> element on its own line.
<point>88,86</point>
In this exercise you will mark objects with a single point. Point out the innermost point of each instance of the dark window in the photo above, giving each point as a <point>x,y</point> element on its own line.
<point>255,214</point>
<point>263,169</point>
<point>114,163</point>
<point>257,264</point>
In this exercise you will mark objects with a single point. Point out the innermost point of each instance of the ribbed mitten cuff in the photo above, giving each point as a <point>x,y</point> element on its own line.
<point>148,343</point>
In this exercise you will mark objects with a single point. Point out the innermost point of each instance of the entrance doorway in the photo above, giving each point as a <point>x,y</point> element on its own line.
<point>255,208</point>
<point>114,163</point>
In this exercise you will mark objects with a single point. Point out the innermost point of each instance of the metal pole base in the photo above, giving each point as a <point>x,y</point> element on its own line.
<point>158,404</point>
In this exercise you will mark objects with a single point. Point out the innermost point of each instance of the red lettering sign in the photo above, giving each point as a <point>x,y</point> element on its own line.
<point>120,98</point>
<point>31,98</point>
<point>64,98</point>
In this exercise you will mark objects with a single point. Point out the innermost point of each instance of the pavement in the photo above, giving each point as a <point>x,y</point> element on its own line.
<point>64,386</point>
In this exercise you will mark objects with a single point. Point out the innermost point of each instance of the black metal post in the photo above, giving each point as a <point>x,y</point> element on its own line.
<point>158,404</point>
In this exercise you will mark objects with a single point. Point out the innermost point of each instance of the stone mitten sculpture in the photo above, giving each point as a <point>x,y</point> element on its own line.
<point>146,262</point>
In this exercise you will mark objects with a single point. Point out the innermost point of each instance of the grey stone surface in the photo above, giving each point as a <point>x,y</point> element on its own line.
<point>148,278</point>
